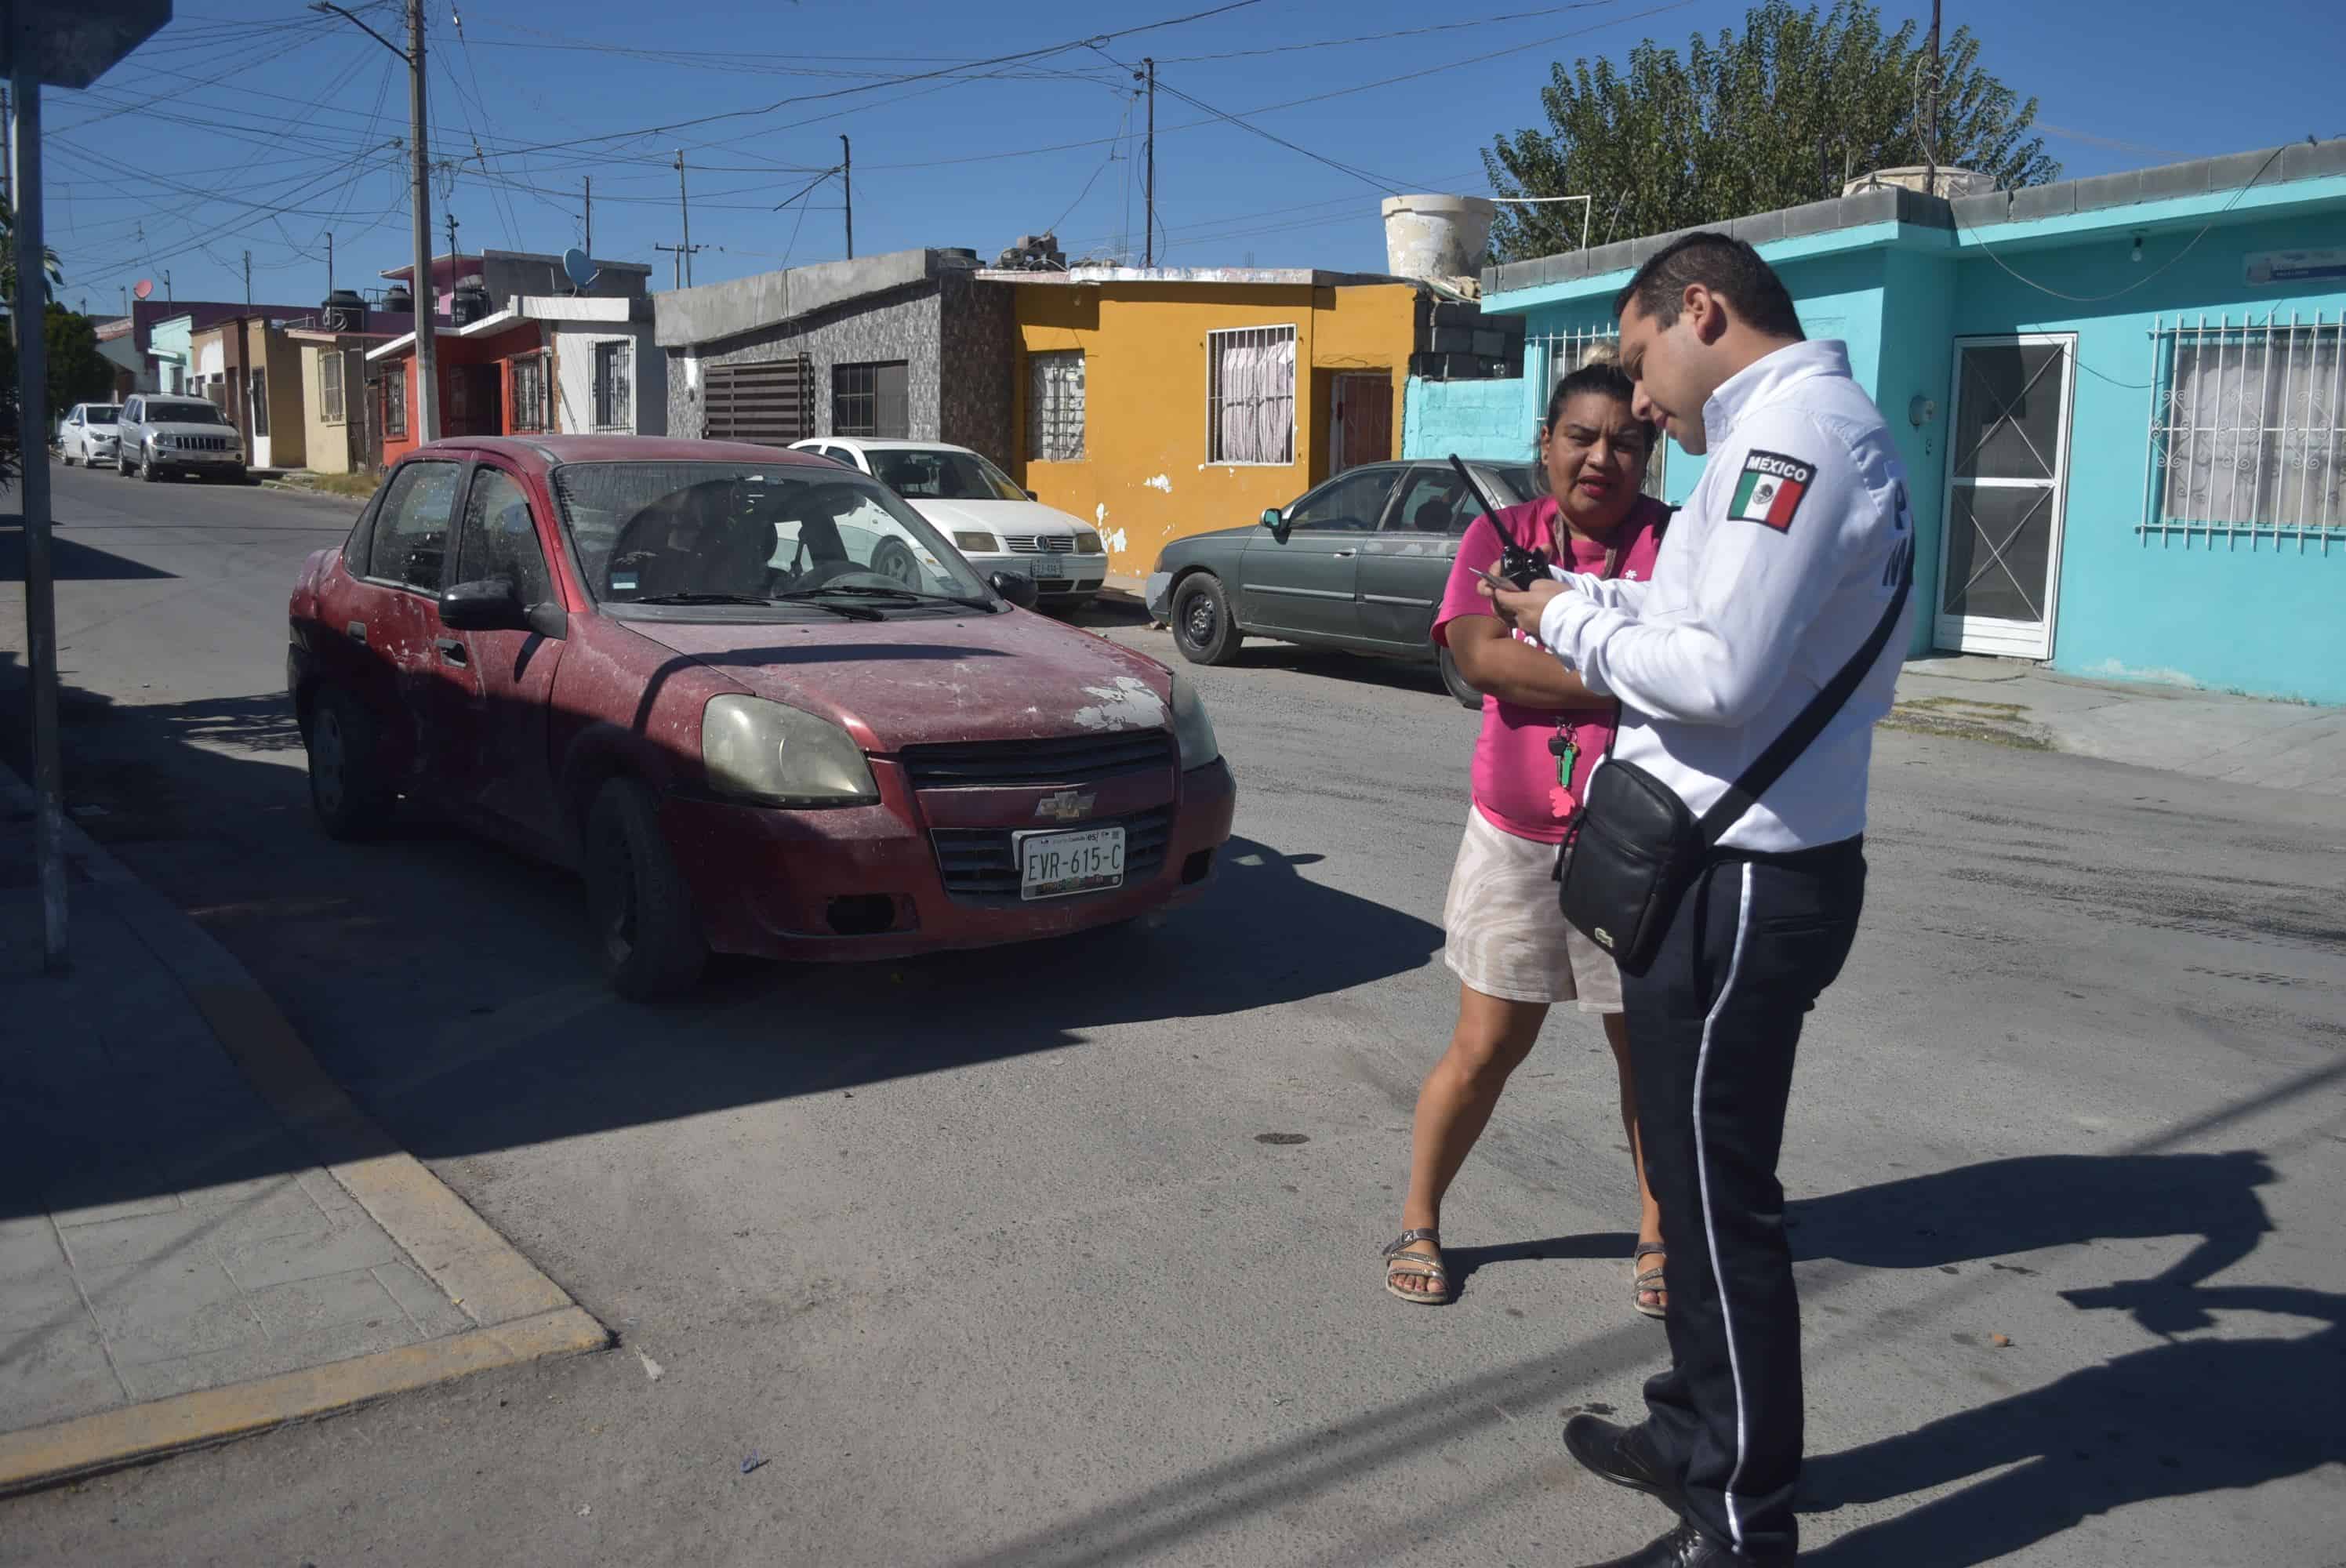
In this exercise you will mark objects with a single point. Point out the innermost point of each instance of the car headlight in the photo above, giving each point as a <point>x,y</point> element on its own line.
<point>167,439</point>
<point>1192,728</point>
<point>981,543</point>
<point>769,752</point>
<point>1088,544</point>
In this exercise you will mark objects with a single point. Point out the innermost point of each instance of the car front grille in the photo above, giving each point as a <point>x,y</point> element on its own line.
<point>199,443</point>
<point>1038,764</point>
<point>1041,544</point>
<point>983,862</point>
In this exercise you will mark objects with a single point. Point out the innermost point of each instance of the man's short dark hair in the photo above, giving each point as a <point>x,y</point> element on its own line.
<point>1729,267</point>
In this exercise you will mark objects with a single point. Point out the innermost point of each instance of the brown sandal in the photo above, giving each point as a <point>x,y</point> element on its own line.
<point>1648,1281</point>
<point>1401,1261</point>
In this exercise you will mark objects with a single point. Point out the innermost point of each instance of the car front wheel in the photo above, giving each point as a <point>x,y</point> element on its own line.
<point>346,785</point>
<point>1203,629</point>
<point>650,942</point>
<point>148,470</point>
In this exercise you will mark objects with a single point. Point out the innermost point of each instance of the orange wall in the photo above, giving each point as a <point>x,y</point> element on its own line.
<point>1144,479</point>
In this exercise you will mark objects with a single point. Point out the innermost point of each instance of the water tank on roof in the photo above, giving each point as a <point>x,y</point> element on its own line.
<point>469,303</point>
<point>1437,236</point>
<point>398,301</point>
<point>344,312</point>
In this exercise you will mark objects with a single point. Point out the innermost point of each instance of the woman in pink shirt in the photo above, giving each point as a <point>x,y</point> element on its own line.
<point>1542,734</point>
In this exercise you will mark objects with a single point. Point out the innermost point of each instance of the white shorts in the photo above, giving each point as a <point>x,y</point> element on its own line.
<point>1507,938</point>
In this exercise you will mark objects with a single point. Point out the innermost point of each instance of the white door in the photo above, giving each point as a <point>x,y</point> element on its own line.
<point>2007,471</point>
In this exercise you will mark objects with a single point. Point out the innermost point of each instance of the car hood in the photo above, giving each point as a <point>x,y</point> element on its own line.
<point>915,681</point>
<point>94,428</point>
<point>174,427</point>
<point>1000,517</point>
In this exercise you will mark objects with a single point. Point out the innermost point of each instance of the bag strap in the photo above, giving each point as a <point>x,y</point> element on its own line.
<point>1771,764</point>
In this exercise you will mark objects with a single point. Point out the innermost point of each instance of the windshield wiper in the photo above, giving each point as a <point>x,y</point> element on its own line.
<point>873,591</point>
<point>849,612</point>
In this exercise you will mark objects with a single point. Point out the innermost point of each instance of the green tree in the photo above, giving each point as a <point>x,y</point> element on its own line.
<point>1775,115</point>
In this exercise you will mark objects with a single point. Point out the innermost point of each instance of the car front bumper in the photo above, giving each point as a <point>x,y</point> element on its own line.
<point>1080,574</point>
<point>178,457</point>
<point>782,885</point>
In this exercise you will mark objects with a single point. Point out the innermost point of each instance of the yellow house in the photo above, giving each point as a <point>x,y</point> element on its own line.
<point>1163,402</point>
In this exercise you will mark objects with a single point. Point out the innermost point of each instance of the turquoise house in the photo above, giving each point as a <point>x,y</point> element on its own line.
<point>2122,401</point>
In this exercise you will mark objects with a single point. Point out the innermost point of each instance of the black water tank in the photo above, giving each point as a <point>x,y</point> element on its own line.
<point>344,312</point>
<point>469,303</point>
<point>398,300</point>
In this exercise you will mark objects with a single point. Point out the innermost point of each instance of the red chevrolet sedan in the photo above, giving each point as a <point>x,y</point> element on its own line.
<point>753,697</point>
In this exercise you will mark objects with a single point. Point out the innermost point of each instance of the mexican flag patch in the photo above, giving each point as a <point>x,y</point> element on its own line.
<point>1770,489</point>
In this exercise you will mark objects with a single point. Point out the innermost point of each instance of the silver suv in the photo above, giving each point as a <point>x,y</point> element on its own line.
<point>163,436</point>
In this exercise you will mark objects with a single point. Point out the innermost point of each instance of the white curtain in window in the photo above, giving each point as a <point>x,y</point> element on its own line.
<point>2252,431</point>
<point>1258,406</point>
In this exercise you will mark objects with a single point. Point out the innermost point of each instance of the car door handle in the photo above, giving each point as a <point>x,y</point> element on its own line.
<point>357,630</point>
<point>1342,553</point>
<point>450,650</point>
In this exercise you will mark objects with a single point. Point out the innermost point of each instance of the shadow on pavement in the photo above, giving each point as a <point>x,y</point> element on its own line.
<point>70,561</point>
<point>449,983</point>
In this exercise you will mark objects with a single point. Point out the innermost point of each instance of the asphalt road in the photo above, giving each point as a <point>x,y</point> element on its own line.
<point>992,1258</point>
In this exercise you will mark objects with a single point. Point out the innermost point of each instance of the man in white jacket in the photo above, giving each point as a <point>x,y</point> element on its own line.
<point>1774,573</point>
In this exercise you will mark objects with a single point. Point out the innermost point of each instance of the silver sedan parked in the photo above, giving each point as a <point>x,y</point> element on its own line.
<point>85,435</point>
<point>1359,564</point>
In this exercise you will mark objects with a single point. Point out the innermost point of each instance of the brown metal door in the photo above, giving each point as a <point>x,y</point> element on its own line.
<point>1363,420</point>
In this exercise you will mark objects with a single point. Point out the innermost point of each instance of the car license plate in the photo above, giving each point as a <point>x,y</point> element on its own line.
<point>1054,865</point>
<point>1048,568</point>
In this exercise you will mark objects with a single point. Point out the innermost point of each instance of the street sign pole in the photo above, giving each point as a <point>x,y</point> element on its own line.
<point>29,311</point>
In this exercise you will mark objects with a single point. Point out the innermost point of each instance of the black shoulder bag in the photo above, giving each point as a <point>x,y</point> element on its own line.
<point>1634,848</point>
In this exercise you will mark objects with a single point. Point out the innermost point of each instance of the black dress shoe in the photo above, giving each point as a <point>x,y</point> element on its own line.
<point>1685,1547</point>
<point>1622,1456</point>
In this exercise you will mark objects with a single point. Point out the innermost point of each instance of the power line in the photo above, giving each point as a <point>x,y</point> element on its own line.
<point>1382,37</point>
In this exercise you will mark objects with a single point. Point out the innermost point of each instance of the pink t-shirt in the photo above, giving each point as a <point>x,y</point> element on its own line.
<point>1514,771</point>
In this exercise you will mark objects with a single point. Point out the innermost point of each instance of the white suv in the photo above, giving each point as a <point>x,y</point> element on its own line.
<point>87,436</point>
<point>996,525</point>
<point>162,435</point>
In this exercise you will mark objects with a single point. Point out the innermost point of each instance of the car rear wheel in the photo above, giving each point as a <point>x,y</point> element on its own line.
<point>650,942</point>
<point>1455,683</point>
<point>346,784</point>
<point>1203,629</point>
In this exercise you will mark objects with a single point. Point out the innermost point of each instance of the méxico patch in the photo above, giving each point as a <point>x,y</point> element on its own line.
<point>1770,488</point>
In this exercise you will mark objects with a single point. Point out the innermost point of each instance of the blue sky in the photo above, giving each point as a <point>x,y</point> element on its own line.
<point>262,127</point>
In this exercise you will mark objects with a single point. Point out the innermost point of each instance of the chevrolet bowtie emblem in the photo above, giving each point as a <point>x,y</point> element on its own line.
<point>1066,805</point>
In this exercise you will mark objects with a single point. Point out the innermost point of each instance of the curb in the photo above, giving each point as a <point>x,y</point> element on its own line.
<point>522,1315</point>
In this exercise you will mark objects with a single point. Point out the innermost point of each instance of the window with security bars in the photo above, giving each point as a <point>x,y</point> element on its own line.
<point>614,400</point>
<point>1055,406</point>
<point>395,404</point>
<point>1250,396</point>
<point>529,410</point>
<point>2248,433</point>
<point>329,386</point>
<point>871,401</point>
<point>1568,352</point>
<point>769,401</point>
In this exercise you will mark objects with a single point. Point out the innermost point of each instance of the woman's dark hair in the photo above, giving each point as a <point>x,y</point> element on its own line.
<point>1600,371</point>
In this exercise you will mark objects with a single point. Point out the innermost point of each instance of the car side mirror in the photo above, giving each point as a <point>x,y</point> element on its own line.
<point>490,605</point>
<point>1017,588</point>
<point>1272,519</point>
<point>1031,496</point>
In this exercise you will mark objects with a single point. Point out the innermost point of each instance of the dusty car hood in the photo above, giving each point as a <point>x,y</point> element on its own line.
<point>915,681</point>
<point>999,517</point>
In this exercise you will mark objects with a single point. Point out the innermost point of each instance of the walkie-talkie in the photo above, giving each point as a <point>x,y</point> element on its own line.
<point>1520,566</point>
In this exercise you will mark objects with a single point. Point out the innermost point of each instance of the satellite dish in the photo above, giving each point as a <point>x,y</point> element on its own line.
<point>578,267</point>
<point>146,287</point>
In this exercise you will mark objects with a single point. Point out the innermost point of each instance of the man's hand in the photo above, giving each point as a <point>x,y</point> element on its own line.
<point>1523,610</point>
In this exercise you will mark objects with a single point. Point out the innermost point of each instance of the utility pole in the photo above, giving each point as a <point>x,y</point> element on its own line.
<point>7,157</point>
<point>247,280</point>
<point>683,254</point>
<point>330,265</point>
<point>427,359</point>
<point>451,217</point>
<point>167,285</point>
<point>847,184</point>
<point>684,209</point>
<point>33,493</point>
<point>1930,124</point>
<point>589,246</point>
<point>1148,181</point>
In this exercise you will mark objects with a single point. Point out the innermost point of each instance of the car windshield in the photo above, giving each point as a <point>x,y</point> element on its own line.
<point>937,473</point>
<point>103,412</point>
<point>183,413</point>
<point>750,534</point>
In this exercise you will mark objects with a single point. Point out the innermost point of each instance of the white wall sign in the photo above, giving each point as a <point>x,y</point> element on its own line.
<point>2265,267</point>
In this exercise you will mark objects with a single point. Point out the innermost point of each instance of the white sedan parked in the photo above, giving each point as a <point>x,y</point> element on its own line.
<point>998,526</point>
<point>87,435</point>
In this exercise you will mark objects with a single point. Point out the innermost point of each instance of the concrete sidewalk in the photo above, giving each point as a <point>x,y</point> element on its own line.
<point>2237,740</point>
<point>199,1236</point>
